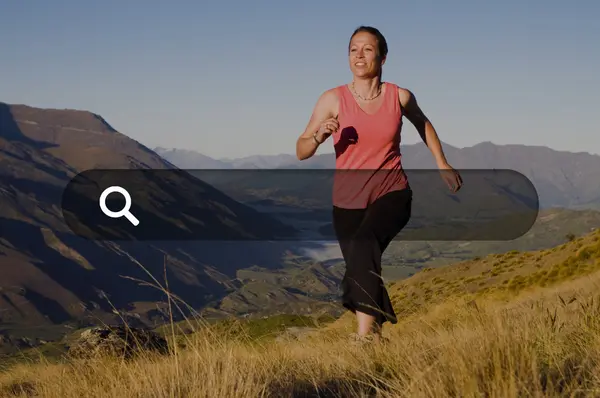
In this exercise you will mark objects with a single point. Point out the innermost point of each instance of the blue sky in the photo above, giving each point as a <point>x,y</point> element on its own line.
<point>230,79</point>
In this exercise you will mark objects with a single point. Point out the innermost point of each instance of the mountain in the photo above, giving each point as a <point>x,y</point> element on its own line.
<point>259,161</point>
<point>561,178</point>
<point>51,276</point>
<point>187,159</point>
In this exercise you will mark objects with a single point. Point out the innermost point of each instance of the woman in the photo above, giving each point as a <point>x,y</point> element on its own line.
<point>373,202</point>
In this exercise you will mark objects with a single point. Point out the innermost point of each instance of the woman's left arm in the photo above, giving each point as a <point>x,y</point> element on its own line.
<point>417,117</point>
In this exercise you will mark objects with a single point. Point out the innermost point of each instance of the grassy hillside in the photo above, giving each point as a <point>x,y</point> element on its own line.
<point>552,227</point>
<point>499,276</point>
<point>515,324</point>
<point>301,286</point>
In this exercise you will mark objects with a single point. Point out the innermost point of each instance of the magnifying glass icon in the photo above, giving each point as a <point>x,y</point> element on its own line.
<point>124,212</point>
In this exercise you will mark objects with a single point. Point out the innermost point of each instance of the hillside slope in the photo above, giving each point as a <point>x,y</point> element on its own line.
<point>50,275</point>
<point>501,275</point>
<point>551,228</point>
<point>508,325</point>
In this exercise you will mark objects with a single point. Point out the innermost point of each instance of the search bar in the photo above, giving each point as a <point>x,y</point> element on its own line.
<point>287,204</point>
<point>124,212</point>
<point>160,205</point>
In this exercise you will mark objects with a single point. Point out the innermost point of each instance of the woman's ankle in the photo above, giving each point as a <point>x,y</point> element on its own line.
<point>375,331</point>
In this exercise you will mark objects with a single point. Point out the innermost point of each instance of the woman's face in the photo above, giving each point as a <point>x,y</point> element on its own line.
<point>363,55</point>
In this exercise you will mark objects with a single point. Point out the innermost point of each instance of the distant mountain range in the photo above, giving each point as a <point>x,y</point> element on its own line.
<point>562,179</point>
<point>188,159</point>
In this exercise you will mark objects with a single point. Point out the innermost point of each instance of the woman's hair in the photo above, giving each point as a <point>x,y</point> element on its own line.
<point>382,47</point>
<point>381,42</point>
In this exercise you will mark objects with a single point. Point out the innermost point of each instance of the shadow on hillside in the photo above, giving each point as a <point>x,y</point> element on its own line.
<point>10,131</point>
<point>116,278</point>
<point>69,274</point>
<point>106,124</point>
<point>112,265</point>
<point>34,182</point>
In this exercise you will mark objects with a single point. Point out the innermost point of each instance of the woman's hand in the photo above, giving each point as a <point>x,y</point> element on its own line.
<point>323,122</point>
<point>327,127</point>
<point>451,177</point>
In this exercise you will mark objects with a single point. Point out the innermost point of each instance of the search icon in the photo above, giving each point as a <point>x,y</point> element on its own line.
<point>123,212</point>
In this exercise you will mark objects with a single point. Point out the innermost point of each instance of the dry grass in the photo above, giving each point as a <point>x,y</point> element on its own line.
<point>543,341</point>
<point>498,275</point>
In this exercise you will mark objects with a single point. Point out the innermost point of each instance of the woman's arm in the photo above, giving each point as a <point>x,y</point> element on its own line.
<point>325,112</point>
<point>415,115</point>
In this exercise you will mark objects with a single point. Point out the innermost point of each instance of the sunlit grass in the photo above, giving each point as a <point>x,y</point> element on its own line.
<point>536,335</point>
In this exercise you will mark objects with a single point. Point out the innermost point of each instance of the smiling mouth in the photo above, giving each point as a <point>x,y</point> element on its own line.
<point>360,64</point>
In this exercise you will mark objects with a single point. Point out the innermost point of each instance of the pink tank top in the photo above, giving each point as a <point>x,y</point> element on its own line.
<point>367,150</point>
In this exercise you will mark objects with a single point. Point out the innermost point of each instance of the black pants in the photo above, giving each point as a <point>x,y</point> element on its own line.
<point>363,235</point>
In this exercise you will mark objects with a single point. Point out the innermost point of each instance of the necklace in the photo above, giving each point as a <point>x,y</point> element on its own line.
<point>367,99</point>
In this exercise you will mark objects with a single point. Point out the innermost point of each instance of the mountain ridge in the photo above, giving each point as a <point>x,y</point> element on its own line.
<point>562,178</point>
<point>326,153</point>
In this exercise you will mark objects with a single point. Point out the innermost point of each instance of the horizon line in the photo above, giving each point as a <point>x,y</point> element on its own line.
<point>444,144</point>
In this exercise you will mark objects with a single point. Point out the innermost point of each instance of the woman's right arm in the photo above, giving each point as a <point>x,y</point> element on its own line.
<point>322,123</point>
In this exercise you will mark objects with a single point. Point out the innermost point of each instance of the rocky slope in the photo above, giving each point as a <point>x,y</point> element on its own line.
<point>50,275</point>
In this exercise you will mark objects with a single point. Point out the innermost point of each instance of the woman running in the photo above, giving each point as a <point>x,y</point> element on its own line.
<point>372,197</point>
